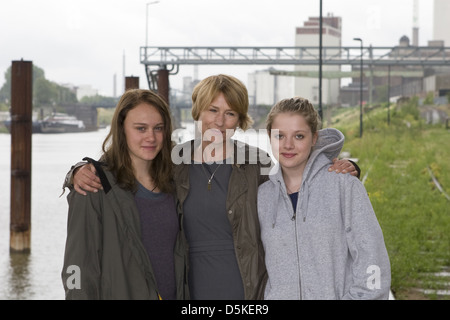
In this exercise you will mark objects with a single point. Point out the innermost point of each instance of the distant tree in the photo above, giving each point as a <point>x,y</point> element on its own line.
<point>100,101</point>
<point>5,90</point>
<point>45,92</point>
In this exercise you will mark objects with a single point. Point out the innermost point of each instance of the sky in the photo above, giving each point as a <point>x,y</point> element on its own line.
<point>85,42</point>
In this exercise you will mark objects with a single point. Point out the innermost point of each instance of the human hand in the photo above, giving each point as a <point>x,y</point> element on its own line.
<point>343,166</point>
<point>85,179</point>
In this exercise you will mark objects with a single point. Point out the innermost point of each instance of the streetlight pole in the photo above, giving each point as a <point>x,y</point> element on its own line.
<point>146,23</point>
<point>320,62</point>
<point>360,90</point>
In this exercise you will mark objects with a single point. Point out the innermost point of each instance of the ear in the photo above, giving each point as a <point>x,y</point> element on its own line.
<point>315,137</point>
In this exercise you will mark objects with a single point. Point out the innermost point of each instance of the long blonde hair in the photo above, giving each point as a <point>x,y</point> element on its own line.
<point>115,148</point>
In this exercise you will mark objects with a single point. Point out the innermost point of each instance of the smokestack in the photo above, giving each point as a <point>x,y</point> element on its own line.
<point>123,72</point>
<point>415,37</point>
<point>115,85</point>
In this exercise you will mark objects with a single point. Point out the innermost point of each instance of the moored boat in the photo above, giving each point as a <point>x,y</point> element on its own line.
<point>55,123</point>
<point>61,123</point>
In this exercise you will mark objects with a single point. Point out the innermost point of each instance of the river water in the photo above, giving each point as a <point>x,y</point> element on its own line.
<point>37,275</point>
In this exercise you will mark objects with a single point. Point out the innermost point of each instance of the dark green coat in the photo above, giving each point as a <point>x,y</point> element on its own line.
<point>104,249</point>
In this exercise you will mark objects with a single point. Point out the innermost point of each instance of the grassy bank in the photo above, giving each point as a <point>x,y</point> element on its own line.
<point>413,214</point>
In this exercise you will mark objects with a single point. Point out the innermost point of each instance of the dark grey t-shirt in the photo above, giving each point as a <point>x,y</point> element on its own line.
<point>159,230</point>
<point>214,272</point>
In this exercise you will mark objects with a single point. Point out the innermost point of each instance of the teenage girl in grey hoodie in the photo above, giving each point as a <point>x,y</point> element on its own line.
<point>321,237</point>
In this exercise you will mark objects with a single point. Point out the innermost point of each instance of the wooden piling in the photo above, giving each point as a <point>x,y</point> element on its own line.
<point>21,126</point>
<point>131,83</point>
<point>163,84</point>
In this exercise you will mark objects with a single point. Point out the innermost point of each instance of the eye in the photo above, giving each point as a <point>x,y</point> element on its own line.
<point>299,136</point>
<point>141,129</point>
<point>159,128</point>
<point>278,136</point>
<point>231,113</point>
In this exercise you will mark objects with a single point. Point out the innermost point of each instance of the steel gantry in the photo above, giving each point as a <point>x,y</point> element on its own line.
<point>160,62</point>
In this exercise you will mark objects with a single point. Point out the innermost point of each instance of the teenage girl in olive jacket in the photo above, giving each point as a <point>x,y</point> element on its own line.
<point>125,242</point>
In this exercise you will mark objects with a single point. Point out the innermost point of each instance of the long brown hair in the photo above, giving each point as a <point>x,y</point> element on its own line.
<point>115,149</point>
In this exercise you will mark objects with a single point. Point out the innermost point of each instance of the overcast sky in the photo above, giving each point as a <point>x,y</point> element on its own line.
<point>83,41</point>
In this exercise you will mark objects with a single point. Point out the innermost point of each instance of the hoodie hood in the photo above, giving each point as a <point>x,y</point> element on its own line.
<point>328,146</point>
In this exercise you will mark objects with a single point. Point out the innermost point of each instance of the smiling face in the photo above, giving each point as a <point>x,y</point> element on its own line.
<point>144,131</point>
<point>216,119</point>
<point>291,140</point>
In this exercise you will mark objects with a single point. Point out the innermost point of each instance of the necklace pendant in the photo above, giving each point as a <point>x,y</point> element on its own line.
<point>209,185</point>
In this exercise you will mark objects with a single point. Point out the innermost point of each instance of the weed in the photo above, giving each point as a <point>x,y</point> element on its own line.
<point>413,214</point>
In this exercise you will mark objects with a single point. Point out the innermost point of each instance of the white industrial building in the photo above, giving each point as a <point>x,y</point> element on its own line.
<point>267,89</point>
<point>308,36</point>
<point>441,23</point>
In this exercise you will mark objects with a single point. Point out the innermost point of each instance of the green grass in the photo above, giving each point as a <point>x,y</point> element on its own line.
<point>413,214</point>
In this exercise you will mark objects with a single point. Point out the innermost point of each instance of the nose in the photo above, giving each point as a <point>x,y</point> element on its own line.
<point>150,136</point>
<point>220,119</point>
<point>288,143</point>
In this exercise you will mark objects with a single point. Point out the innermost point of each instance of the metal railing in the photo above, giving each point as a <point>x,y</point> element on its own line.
<point>375,56</point>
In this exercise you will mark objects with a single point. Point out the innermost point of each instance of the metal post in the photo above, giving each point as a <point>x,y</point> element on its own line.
<point>361,95</point>
<point>21,126</point>
<point>131,83</point>
<point>360,90</point>
<point>146,25</point>
<point>389,96</point>
<point>320,61</point>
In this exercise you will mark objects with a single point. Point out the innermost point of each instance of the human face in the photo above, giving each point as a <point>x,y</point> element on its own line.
<point>216,119</point>
<point>144,131</point>
<point>292,142</point>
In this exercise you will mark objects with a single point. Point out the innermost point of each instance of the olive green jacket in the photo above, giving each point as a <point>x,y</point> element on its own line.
<point>104,256</point>
<point>248,172</point>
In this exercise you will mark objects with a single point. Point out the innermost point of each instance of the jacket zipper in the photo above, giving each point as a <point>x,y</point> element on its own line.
<point>298,262</point>
<point>294,216</point>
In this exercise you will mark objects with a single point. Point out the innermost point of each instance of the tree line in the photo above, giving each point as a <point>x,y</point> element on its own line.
<point>49,94</point>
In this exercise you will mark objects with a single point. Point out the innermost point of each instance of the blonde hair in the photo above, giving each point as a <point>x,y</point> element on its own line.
<point>234,91</point>
<point>115,148</point>
<point>296,105</point>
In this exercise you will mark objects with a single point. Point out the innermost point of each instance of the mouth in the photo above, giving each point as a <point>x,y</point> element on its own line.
<point>214,135</point>
<point>288,155</point>
<point>215,131</point>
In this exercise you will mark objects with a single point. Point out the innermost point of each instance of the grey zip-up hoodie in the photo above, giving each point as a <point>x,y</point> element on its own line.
<point>332,247</point>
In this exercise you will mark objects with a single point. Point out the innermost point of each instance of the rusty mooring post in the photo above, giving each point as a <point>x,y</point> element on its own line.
<point>163,84</point>
<point>131,83</point>
<point>21,125</point>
